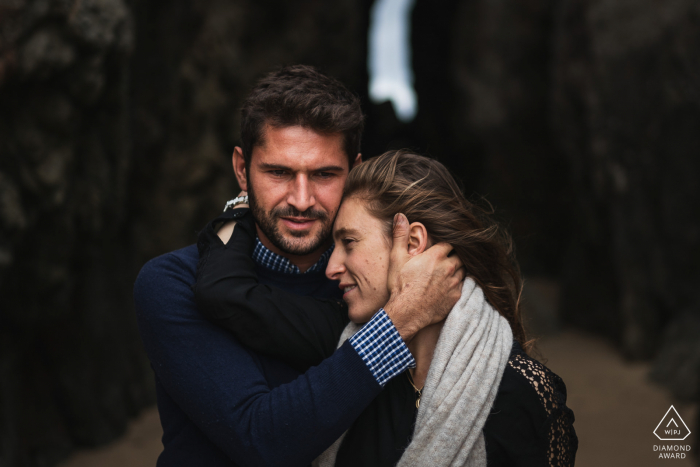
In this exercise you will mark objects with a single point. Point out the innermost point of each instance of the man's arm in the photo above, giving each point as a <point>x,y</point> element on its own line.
<point>221,388</point>
<point>301,331</point>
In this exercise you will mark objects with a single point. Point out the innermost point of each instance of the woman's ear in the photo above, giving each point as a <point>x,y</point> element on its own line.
<point>417,238</point>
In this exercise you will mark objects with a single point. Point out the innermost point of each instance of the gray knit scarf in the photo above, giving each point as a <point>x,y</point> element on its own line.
<point>462,382</point>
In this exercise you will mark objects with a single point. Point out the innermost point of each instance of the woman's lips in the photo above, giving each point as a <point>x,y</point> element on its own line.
<point>298,223</point>
<point>347,289</point>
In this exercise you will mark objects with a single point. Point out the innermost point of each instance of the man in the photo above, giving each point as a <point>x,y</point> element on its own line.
<point>221,404</point>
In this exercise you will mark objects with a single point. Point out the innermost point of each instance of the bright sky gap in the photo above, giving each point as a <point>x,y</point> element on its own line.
<point>389,58</point>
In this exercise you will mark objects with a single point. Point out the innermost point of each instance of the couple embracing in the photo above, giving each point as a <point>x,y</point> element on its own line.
<point>344,313</point>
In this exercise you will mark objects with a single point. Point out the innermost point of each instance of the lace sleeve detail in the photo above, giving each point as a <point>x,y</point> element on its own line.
<point>563,443</point>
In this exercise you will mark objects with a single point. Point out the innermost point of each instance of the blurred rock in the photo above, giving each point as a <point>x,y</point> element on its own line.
<point>627,110</point>
<point>677,366</point>
<point>71,368</point>
<point>500,72</point>
<point>540,301</point>
<point>44,53</point>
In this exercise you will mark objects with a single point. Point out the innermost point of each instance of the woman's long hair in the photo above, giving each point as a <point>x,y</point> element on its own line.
<point>423,190</point>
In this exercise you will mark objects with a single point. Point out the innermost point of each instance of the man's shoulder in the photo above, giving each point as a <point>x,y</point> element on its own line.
<point>182,261</point>
<point>167,274</point>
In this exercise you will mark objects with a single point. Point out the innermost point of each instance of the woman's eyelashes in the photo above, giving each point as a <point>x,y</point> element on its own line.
<point>347,242</point>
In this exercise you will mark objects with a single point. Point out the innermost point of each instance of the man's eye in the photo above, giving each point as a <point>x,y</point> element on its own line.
<point>347,241</point>
<point>325,174</point>
<point>278,173</point>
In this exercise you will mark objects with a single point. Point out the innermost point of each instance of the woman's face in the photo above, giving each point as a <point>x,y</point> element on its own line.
<point>360,260</point>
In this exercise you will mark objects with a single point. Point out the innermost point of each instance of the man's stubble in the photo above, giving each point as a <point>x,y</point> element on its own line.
<point>268,222</point>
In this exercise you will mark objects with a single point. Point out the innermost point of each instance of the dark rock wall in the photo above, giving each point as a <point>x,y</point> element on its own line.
<point>500,72</point>
<point>117,125</point>
<point>71,368</point>
<point>483,79</point>
<point>626,113</point>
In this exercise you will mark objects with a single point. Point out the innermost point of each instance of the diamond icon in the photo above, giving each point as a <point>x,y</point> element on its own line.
<point>672,427</point>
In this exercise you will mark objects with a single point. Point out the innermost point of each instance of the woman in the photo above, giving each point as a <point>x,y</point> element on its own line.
<point>475,397</point>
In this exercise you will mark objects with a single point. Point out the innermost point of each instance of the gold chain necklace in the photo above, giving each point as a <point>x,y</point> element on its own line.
<point>419,392</point>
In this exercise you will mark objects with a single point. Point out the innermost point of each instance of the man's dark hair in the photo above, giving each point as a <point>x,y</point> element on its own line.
<point>301,95</point>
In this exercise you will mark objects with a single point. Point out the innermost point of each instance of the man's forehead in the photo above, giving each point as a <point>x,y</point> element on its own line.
<point>297,146</point>
<point>295,133</point>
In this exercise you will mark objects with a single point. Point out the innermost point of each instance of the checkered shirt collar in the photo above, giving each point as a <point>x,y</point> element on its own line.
<point>264,257</point>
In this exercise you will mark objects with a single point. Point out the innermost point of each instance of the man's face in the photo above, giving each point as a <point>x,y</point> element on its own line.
<point>295,184</point>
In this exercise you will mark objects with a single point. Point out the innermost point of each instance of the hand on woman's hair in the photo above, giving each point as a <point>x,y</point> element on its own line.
<point>424,287</point>
<point>226,230</point>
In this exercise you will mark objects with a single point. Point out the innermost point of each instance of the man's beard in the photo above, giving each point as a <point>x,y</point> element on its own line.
<point>268,222</point>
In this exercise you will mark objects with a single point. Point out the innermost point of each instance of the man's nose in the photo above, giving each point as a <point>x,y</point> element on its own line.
<point>301,193</point>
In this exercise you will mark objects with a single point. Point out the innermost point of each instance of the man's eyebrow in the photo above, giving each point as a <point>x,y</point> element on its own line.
<point>344,231</point>
<point>327,168</point>
<point>266,166</point>
<point>330,168</point>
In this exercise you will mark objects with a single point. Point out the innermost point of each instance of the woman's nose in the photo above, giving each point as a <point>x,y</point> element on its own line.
<point>335,267</point>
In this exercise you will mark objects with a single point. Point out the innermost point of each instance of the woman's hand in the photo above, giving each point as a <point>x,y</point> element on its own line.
<point>226,230</point>
<point>424,288</point>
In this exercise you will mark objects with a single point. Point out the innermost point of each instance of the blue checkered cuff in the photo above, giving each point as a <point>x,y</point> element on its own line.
<point>382,349</point>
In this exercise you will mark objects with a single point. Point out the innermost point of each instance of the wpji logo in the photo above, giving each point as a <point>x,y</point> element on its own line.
<point>672,427</point>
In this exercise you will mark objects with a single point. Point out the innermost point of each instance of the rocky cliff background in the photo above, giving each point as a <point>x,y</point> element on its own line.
<point>578,119</point>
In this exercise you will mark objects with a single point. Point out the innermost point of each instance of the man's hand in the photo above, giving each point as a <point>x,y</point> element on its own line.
<point>423,288</point>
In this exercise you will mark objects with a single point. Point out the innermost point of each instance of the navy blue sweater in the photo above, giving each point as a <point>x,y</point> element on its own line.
<point>223,405</point>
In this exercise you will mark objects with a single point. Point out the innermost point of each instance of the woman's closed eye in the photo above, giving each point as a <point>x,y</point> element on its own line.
<point>347,242</point>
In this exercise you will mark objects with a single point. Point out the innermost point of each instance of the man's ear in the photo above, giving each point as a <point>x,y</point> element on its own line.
<point>358,160</point>
<point>239,168</point>
<point>417,238</point>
